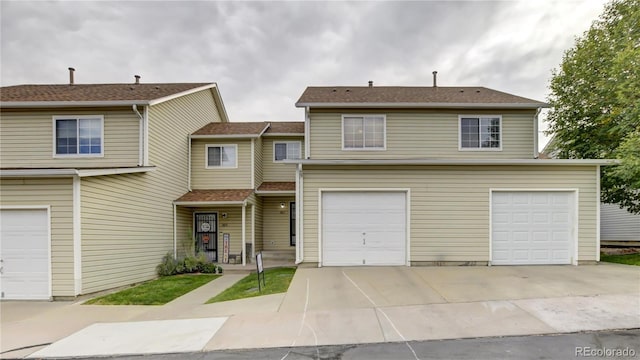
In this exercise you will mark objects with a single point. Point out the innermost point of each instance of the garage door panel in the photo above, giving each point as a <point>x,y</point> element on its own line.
<point>363,228</point>
<point>539,230</point>
<point>24,247</point>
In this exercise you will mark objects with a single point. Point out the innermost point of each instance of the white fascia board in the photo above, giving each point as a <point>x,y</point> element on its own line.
<point>218,100</point>
<point>208,203</point>
<point>180,94</point>
<point>545,162</point>
<point>428,105</point>
<point>38,173</point>
<point>114,171</point>
<point>232,136</point>
<point>283,134</point>
<point>52,104</point>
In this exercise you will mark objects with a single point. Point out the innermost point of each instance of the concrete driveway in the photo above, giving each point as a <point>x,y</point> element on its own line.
<point>333,288</point>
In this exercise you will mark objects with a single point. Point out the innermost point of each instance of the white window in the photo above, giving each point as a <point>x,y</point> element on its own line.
<point>221,156</point>
<point>78,136</point>
<point>363,132</point>
<point>286,150</point>
<point>480,132</point>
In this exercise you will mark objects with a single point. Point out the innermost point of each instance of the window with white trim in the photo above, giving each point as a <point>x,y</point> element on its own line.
<point>286,150</point>
<point>480,132</point>
<point>221,156</point>
<point>78,135</point>
<point>363,132</point>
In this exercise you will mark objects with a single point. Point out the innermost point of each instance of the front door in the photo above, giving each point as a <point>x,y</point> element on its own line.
<point>206,234</point>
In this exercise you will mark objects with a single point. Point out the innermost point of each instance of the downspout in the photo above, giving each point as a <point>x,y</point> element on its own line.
<point>536,154</point>
<point>299,215</point>
<point>307,136</point>
<point>134,107</point>
<point>244,233</point>
<point>146,136</point>
<point>189,164</point>
<point>253,163</point>
<point>175,233</point>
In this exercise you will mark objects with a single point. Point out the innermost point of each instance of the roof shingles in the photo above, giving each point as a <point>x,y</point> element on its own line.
<point>252,128</point>
<point>277,186</point>
<point>228,195</point>
<point>409,95</point>
<point>93,92</point>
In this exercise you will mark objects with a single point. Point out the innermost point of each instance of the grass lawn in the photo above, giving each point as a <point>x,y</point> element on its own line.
<point>277,281</point>
<point>155,292</point>
<point>629,259</point>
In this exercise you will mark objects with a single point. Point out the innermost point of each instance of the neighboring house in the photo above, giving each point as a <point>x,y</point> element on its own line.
<point>88,178</point>
<point>437,175</point>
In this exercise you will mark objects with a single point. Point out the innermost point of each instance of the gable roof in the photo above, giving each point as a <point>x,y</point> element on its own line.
<point>30,96</point>
<point>406,96</point>
<point>248,129</point>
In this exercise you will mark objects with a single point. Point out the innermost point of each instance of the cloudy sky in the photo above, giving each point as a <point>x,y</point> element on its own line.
<point>263,54</point>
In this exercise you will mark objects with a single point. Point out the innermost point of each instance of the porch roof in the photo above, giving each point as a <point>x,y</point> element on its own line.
<point>226,196</point>
<point>281,186</point>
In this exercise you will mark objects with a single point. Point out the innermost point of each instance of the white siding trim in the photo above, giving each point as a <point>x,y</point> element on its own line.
<point>39,207</point>
<point>598,202</point>
<point>77,236</point>
<point>189,164</point>
<point>406,191</point>
<point>253,231</point>
<point>175,233</point>
<point>307,134</point>
<point>576,223</point>
<point>299,223</point>
<point>146,136</point>
<point>243,250</point>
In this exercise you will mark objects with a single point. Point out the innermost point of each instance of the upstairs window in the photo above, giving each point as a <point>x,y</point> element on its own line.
<point>480,132</point>
<point>363,132</point>
<point>286,151</point>
<point>79,136</point>
<point>221,156</point>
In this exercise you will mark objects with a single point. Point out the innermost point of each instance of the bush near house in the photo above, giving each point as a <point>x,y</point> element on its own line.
<point>187,265</point>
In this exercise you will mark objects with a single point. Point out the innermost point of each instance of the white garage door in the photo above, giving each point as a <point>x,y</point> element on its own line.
<point>532,227</point>
<point>24,250</point>
<point>363,228</point>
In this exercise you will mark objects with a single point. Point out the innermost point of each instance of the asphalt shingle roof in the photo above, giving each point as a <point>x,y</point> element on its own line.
<point>251,128</point>
<point>277,186</point>
<point>93,92</point>
<point>215,195</point>
<point>410,95</point>
<point>286,127</point>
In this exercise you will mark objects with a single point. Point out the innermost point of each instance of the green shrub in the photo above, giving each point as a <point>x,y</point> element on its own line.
<point>186,265</point>
<point>168,266</point>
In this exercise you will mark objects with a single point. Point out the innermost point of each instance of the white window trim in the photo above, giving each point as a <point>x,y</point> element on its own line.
<point>77,117</point>
<point>286,142</point>
<point>460,148</point>
<point>206,156</point>
<point>384,125</point>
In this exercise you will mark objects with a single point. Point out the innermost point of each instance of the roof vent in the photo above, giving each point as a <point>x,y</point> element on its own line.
<point>435,77</point>
<point>71,70</point>
<point>370,83</point>
<point>137,79</point>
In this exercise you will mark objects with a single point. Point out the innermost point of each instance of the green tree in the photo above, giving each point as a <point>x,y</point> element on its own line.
<point>595,99</point>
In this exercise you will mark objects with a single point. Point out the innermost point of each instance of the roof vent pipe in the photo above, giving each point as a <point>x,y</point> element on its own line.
<point>435,76</point>
<point>370,83</point>
<point>71,70</point>
<point>137,79</point>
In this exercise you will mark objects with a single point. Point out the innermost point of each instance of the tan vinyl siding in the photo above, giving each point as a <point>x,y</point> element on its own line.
<point>259,246</point>
<point>259,161</point>
<point>27,139</point>
<point>420,134</point>
<point>221,178</point>
<point>618,224</point>
<point>276,223</point>
<point>127,220</point>
<point>57,193</point>
<point>277,171</point>
<point>184,232</point>
<point>450,204</point>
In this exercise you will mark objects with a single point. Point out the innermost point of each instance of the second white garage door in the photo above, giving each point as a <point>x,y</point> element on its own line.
<point>532,227</point>
<point>364,228</point>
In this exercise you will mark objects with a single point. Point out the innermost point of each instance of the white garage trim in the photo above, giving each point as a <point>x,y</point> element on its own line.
<point>598,202</point>
<point>38,207</point>
<point>407,192</point>
<point>574,229</point>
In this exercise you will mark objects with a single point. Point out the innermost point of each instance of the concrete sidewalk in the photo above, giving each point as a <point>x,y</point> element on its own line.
<point>344,306</point>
